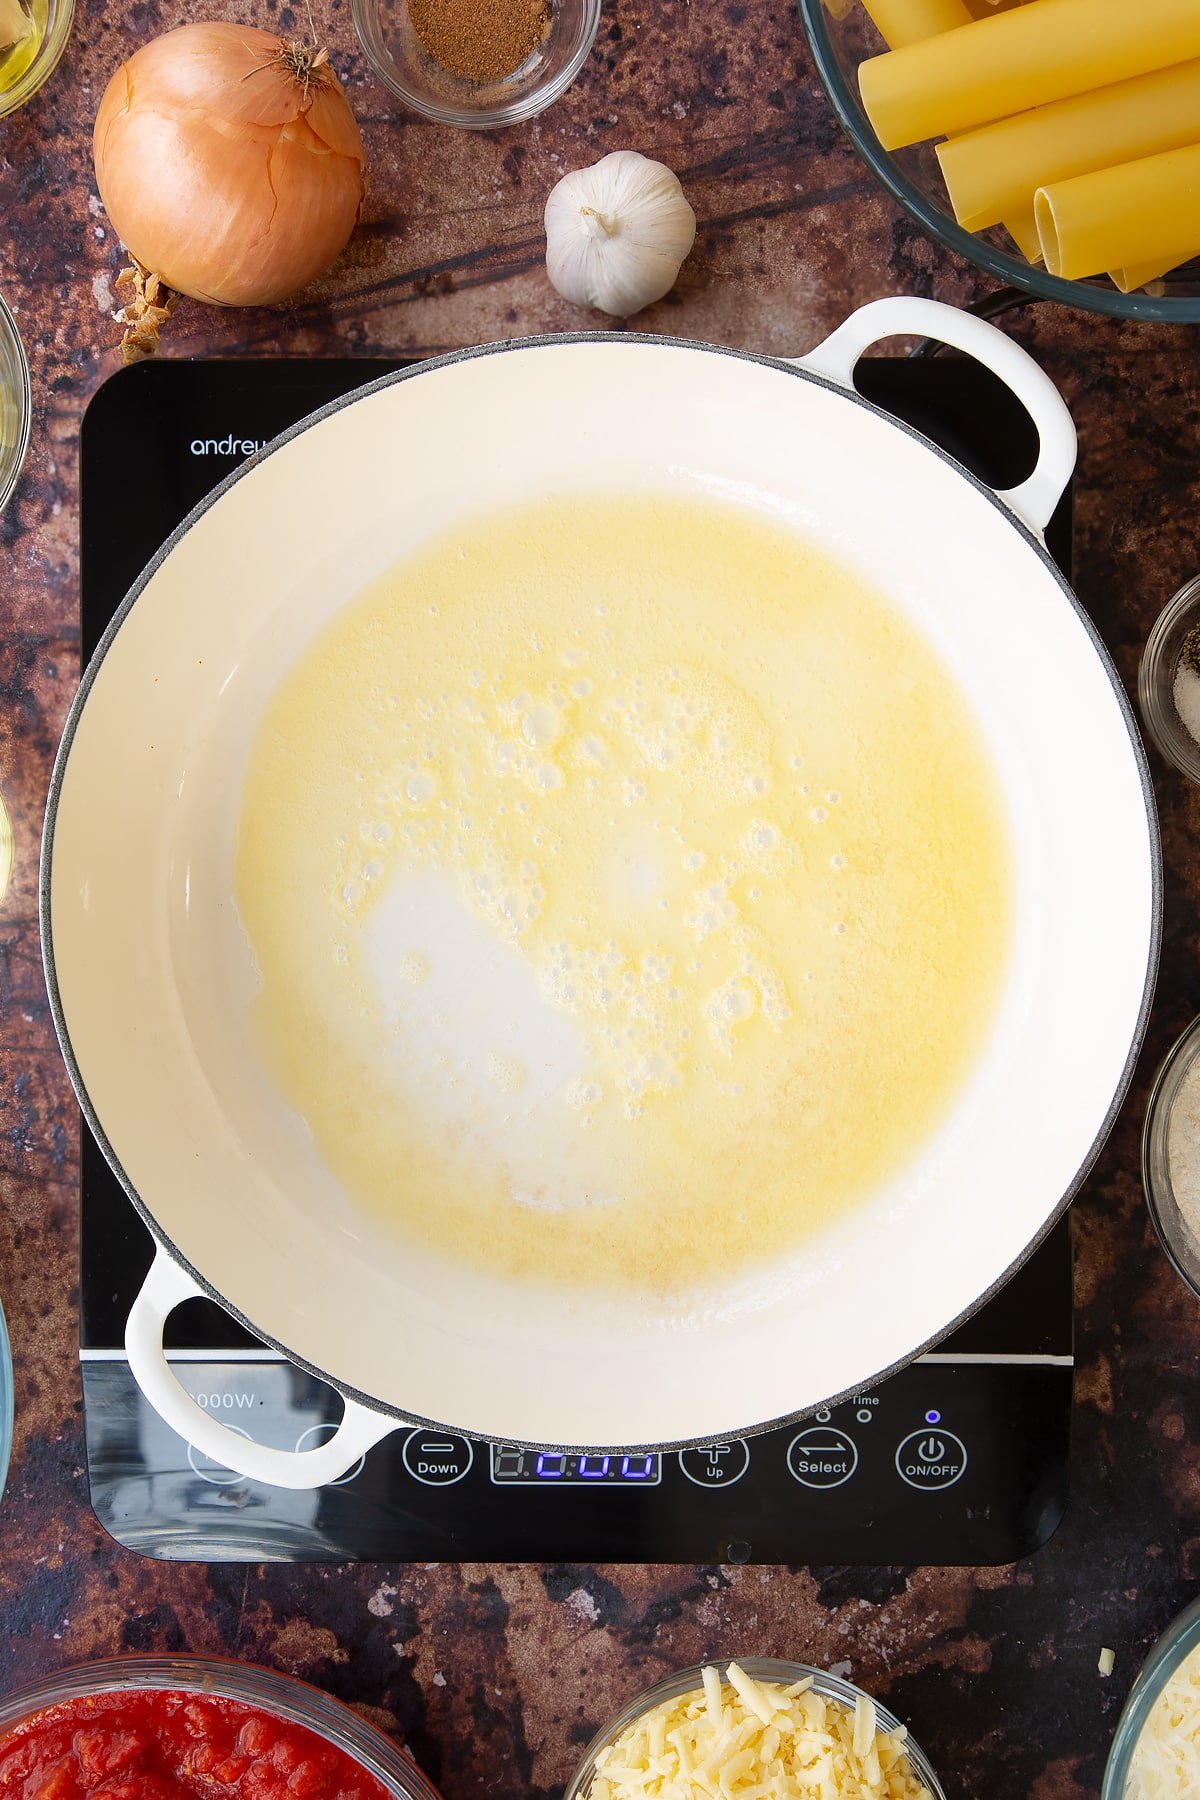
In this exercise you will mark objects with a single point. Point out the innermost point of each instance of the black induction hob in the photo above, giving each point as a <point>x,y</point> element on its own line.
<point>960,1458</point>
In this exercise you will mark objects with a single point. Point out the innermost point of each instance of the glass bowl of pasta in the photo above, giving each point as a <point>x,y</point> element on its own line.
<point>1053,143</point>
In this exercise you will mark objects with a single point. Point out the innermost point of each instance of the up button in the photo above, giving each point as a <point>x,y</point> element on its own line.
<point>931,1459</point>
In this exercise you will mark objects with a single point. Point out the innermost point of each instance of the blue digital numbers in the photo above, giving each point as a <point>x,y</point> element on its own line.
<point>531,1468</point>
<point>639,1468</point>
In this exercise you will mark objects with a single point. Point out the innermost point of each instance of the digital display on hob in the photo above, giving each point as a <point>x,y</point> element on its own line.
<point>558,1467</point>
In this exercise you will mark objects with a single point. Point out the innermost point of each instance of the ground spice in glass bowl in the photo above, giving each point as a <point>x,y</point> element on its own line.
<point>482,43</point>
<point>477,63</point>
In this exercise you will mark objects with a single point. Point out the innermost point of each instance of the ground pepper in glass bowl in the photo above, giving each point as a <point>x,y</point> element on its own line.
<point>192,1728</point>
<point>481,64</point>
<point>481,43</point>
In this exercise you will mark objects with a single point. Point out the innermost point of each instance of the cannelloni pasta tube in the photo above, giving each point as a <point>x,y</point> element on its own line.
<point>1028,57</point>
<point>1139,275</point>
<point>901,22</point>
<point>1138,213</point>
<point>992,172</point>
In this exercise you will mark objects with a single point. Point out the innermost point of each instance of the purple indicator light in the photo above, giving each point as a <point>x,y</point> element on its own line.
<point>933,1418</point>
<point>593,1474</point>
<point>546,1469</point>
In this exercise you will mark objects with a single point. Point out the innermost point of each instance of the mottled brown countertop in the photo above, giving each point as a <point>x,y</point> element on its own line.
<point>494,1675</point>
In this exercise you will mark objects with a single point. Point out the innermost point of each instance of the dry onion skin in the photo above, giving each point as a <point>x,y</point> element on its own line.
<point>229,162</point>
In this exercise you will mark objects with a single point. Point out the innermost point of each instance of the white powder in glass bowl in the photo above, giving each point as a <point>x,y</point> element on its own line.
<point>1185,692</point>
<point>1183,1149</point>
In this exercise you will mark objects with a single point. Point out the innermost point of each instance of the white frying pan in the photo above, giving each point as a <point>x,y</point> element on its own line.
<point>141,943</point>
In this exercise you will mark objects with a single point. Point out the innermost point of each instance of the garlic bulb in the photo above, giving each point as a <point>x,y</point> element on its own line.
<point>617,233</point>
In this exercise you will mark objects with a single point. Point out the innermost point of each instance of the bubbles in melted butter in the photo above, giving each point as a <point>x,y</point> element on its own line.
<point>420,789</point>
<point>536,861</point>
<point>508,1073</point>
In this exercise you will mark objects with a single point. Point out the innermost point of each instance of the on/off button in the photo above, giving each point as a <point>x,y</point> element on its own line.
<point>928,1460</point>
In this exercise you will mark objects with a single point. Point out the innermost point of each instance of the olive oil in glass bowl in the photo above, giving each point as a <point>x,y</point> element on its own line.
<point>15,404</point>
<point>29,59</point>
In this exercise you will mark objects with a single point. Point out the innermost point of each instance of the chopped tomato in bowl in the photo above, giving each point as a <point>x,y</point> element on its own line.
<point>192,1728</point>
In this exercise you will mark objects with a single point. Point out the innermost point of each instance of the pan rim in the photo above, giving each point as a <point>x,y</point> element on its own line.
<point>548,343</point>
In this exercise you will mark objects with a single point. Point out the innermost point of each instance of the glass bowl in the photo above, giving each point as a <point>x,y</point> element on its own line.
<point>1180,1242</point>
<point>386,32</point>
<point>913,177</point>
<point>1156,679</point>
<point>52,20</point>
<point>760,1668</point>
<point>7,848</point>
<point>282,1695</point>
<point>1180,1638</point>
<point>16,404</point>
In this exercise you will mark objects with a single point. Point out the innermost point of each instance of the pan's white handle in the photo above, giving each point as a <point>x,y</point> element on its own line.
<point>1035,499</point>
<point>162,1291</point>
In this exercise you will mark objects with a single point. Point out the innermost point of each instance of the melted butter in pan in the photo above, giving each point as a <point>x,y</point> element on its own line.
<point>630,890</point>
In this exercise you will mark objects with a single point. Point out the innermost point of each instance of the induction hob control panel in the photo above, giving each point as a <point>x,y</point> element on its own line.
<point>961,1457</point>
<point>935,1465</point>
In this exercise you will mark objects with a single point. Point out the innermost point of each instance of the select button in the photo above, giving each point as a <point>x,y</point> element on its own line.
<point>437,1458</point>
<point>822,1457</point>
<point>929,1460</point>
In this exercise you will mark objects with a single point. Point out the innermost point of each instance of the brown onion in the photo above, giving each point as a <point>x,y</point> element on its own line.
<point>229,162</point>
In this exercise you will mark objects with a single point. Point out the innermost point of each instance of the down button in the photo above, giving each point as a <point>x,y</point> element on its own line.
<point>437,1458</point>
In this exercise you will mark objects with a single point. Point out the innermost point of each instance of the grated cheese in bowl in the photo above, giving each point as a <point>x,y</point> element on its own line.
<point>760,1730</point>
<point>1165,1764</point>
<point>1155,1752</point>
